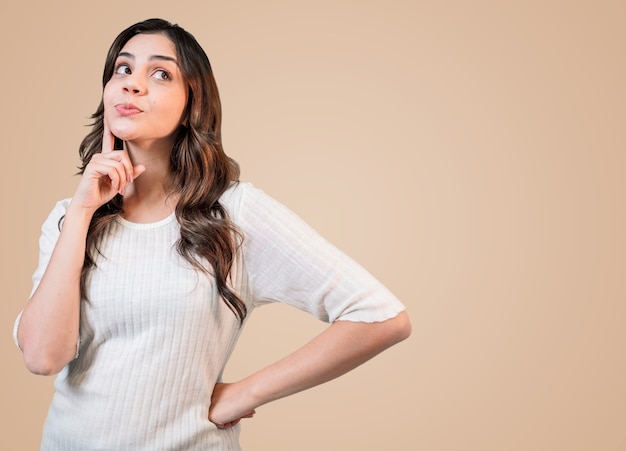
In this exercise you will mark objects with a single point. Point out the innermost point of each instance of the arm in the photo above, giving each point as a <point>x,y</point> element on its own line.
<point>343,346</point>
<point>287,261</point>
<point>48,329</point>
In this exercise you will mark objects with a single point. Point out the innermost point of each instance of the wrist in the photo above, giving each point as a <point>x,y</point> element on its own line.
<point>255,391</point>
<point>78,212</point>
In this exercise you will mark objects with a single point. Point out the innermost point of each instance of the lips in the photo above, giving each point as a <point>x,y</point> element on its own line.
<point>127,109</point>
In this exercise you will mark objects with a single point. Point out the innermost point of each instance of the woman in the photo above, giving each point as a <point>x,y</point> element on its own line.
<point>148,273</point>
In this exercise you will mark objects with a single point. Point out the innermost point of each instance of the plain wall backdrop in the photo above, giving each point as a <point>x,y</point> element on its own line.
<point>470,154</point>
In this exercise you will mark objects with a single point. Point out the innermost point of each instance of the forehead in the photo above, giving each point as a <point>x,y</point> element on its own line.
<point>150,44</point>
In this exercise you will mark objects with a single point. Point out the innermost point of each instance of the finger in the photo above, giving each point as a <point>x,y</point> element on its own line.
<point>122,157</point>
<point>128,165</point>
<point>111,168</point>
<point>108,140</point>
<point>230,424</point>
<point>116,178</point>
<point>234,422</point>
<point>131,170</point>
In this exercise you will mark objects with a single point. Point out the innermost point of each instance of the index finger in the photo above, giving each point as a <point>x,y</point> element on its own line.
<point>108,139</point>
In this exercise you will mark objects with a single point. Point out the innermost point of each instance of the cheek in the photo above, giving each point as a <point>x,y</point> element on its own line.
<point>179,103</point>
<point>181,109</point>
<point>174,108</point>
<point>107,91</point>
<point>106,97</point>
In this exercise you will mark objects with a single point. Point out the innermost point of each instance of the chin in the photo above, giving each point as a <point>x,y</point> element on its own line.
<point>121,130</point>
<point>123,136</point>
<point>123,133</point>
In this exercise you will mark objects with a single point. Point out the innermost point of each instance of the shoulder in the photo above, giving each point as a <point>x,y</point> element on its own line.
<point>232,197</point>
<point>246,203</point>
<point>241,198</point>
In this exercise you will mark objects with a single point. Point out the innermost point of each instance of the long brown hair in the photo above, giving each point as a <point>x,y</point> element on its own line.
<point>200,169</point>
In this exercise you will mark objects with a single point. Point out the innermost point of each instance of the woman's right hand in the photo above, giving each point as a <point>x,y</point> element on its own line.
<point>49,326</point>
<point>106,175</point>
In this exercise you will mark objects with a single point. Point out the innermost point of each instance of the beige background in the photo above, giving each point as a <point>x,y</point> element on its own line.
<point>469,154</point>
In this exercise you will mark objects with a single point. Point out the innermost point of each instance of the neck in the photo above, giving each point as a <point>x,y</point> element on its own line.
<point>150,197</point>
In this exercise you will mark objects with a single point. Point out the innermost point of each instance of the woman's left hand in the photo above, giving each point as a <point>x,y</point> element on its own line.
<point>227,406</point>
<point>344,345</point>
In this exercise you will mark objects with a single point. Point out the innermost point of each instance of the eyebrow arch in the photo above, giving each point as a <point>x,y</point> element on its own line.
<point>152,57</point>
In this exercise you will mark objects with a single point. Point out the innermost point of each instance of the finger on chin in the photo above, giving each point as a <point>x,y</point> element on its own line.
<point>108,140</point>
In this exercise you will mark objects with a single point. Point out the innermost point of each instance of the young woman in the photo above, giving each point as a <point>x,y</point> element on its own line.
<point>148,273</point>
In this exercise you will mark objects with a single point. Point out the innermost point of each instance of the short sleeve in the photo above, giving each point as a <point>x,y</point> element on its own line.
<point>50,231</point>
<point>287,261</point>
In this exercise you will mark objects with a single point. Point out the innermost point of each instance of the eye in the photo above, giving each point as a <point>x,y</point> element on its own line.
<point>162,75</point>
<point>123,69</point>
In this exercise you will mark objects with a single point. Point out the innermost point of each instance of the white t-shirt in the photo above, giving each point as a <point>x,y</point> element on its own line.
<point>155,336</point>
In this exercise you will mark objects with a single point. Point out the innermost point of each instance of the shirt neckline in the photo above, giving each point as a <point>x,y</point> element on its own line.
<point>146,225</point>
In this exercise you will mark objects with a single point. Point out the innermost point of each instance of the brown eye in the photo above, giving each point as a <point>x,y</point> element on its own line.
<point>122,69</point>
<point>162,75</point>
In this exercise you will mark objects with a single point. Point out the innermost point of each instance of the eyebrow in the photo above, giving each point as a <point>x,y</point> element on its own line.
<point>152,57</point>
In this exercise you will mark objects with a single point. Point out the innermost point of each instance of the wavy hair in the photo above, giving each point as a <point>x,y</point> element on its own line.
<point>200,170</point>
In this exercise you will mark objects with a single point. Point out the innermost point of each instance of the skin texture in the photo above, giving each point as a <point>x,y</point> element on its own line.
<point>144,104</point>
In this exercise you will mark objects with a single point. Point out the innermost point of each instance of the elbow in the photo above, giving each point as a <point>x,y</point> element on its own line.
<point>41,370</point>
<point>44,363</point>
<point>390,332</point>
<point>42,366</point>
<point>401,328</point>
<point>42,354</point>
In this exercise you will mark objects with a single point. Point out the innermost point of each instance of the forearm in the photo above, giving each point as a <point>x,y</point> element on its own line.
<point>48,329</point>
<point>340,348</point>
<point>343,346</point>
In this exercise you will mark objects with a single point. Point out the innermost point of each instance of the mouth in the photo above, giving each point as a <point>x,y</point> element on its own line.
<point>127,109</point>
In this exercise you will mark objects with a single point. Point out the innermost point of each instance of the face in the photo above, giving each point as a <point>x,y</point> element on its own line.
<point>145,99</point>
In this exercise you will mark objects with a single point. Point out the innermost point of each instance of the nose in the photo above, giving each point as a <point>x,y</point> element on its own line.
<point>134,85</point>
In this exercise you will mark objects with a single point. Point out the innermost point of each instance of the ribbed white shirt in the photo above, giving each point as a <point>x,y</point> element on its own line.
<point>155,336</point>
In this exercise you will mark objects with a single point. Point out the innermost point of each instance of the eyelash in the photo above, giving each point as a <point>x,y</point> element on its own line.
<point>166,76</point>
